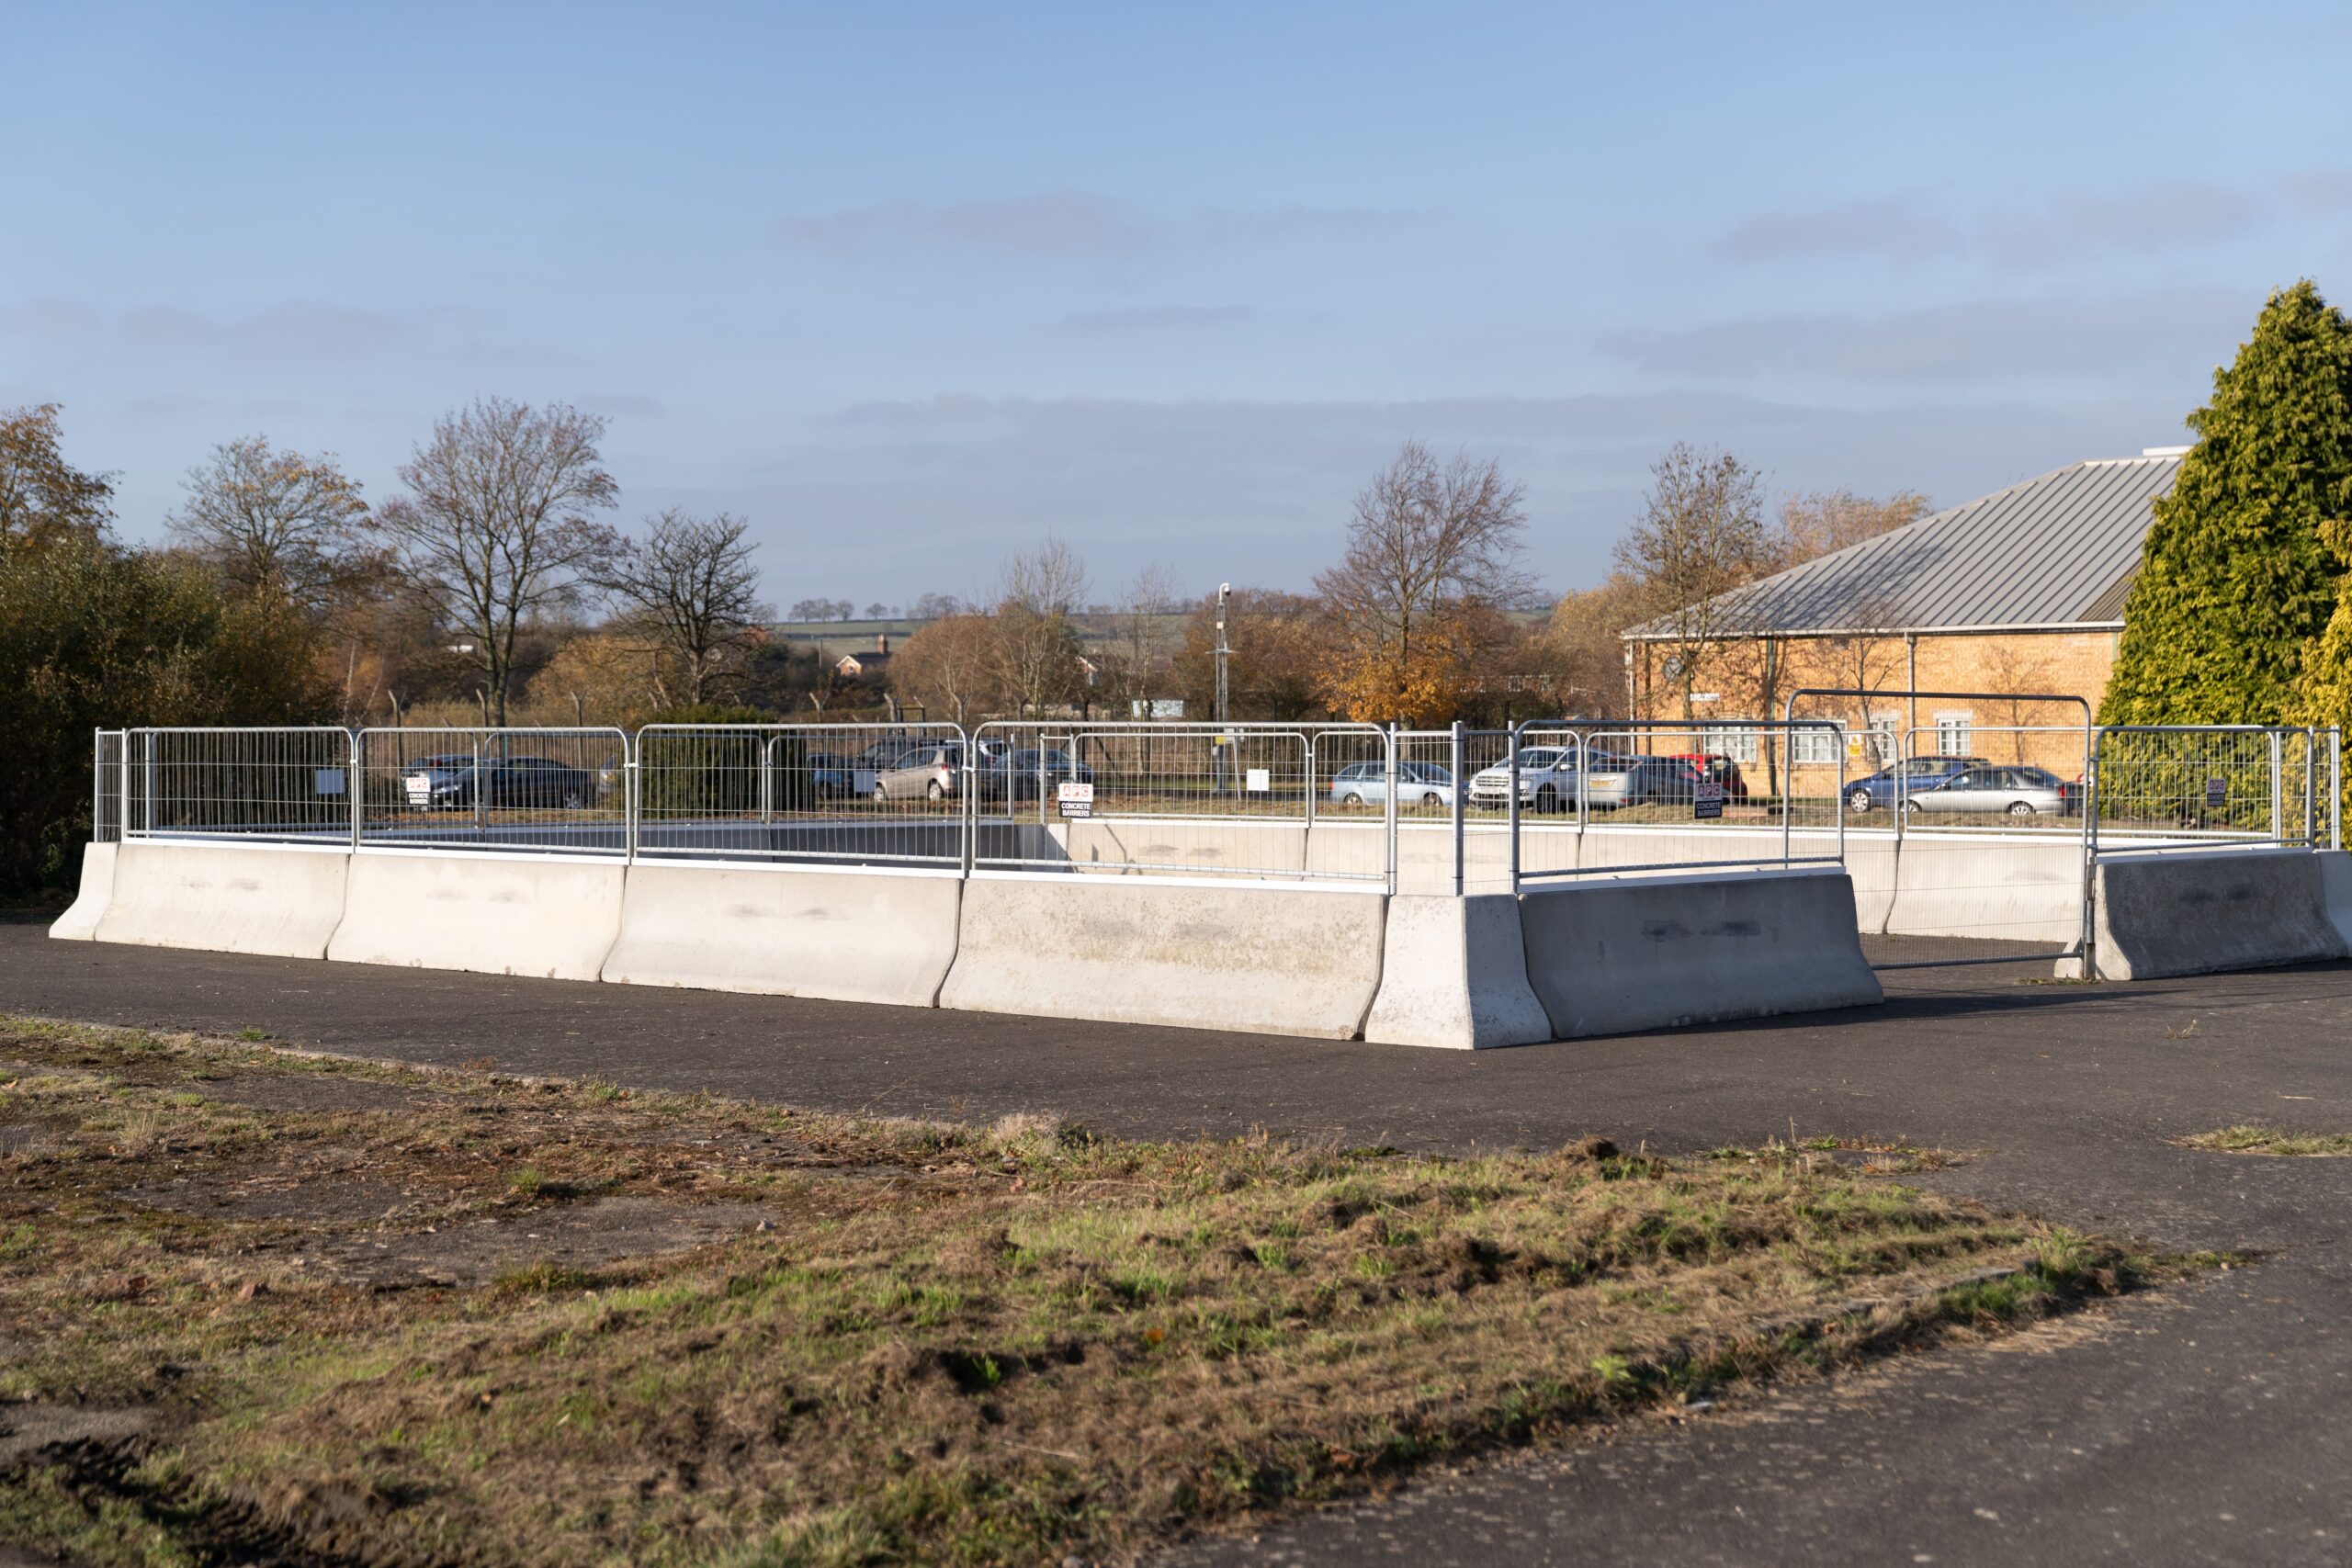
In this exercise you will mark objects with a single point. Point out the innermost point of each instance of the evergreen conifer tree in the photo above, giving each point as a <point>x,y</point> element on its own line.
<point>2238,579</point>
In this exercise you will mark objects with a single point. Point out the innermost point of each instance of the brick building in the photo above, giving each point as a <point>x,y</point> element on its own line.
<point>2019,594</point>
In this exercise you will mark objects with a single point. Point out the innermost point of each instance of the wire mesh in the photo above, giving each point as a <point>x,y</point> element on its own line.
<point>2170,786</point>
<point>884,794</point>
<point>2016,778</point>
<point>105,787</point>
<point>555,791</point>
<point>251,786</point>
<point>1235,799</point>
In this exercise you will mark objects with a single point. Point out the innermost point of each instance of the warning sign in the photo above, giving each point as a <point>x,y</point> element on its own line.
<point>1075,799</point>
<point>2217,793</point>
<point>1707,799</point>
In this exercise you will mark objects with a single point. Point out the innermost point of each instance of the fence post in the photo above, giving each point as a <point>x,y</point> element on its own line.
<point>1584,794</point>
<point>122,795</point>
<point>968,820</point>
<point>2088,938</point>
<point>1310,738</point>
<point>355,781</point>
<point>1388,806</point>
<point>767,784</point>
<point>632,797</point>
<point>1455,757</point>
<point>1510,809</point>
<point>2278,787</point>
<point>2334,787</point>
<point>481,807</point>
<point>97,787</point>
<point>147,778</point>
<point>2311,788</point>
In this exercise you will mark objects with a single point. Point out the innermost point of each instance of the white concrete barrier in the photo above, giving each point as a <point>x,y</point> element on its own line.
<point>849,936</point>
<point>2022,888</point>
<point>279,900</point>
<point>80,922</point>
<point>1237,845</point>
<point>1611,955</point>
<point>1453,973</point>
<point>491,913</point>
<point>1167,950</point>
<point>2205,911</point>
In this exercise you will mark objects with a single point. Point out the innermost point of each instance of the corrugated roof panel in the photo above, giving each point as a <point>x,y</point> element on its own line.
<point>2056,550</point>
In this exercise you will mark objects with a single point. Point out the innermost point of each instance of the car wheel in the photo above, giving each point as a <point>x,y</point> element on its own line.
<point>1352,798</point>
<point>881,793</point>
<point>2020,808</point>
<point>574,800</point>
<point>1911,808</point>
<point>1859,800</point>
<point>937,790</point>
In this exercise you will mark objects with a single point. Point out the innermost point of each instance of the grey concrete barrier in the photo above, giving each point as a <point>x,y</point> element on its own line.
<point>849,936</point>
<point>1454,974</point>
<point>1611,955</point>
<point>2207,911</point>
<point>1237,845</point>
<point>1160,950</point>
<point>280,901</point>
<point>491,913</point>
<point>80,921</point>
<point>2335,886</point>
<point>2022,888</point>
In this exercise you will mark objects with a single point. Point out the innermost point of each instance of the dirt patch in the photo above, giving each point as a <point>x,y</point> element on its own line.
<point>570,1237</point>
<point>313,1091</point>
<point>28,1429</point>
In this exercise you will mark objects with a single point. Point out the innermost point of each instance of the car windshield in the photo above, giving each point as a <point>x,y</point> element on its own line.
<point>1541,756</point>
<point>1427,772</point>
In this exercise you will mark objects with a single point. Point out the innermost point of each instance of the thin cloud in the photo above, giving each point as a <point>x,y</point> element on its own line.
<point>2162,216</point>
<point>1156,319</point>
<point>1267,225</point>
<point>1063,221</point>
<point>1894,231</point>
<point>1980,340</point>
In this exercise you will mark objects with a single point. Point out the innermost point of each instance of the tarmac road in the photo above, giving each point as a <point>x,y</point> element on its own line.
<point>2208,1423</point>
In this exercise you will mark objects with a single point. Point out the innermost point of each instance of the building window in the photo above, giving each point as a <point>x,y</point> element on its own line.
<point>1882,740</point>
<point>1955,733</point>
<point>1817,746</point>
<point>1739,745</point>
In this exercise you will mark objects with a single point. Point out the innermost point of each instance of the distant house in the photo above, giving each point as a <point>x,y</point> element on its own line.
<point>856,666</point>
<point>2017,593</point>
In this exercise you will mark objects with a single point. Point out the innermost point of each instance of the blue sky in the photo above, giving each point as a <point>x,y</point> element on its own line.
<point>910,286</point>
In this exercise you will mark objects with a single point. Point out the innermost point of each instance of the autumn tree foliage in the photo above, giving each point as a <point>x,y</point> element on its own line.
<point>274,521</point>
<point>42,496</point>
<point>1432,542</point>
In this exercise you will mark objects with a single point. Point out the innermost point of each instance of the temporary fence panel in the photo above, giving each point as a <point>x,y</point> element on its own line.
<point>1235,799</point>
<point>287,786</point>
<point>106,786</point>
<point>1653,798</point>
<point>2170,786</point>
<point>555,791</point>
<point>886,794</point>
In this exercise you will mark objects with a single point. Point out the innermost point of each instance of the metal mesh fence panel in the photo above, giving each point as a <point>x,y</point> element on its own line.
<point>884,794</point>
<point>283,785</point>
<point>553,791</point>
<point>106,787</point>
<point>2168,786</point>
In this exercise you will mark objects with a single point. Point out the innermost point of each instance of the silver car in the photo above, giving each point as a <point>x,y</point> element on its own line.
<point>1994,792</point>
<point>1547,780</point>
<point>1418,783</point>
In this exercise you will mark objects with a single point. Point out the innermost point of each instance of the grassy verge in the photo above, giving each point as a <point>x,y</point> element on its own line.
<point>2250,1138</point>
<point>275,1306</point>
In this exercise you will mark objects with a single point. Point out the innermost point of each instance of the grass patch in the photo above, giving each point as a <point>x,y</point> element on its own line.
<point>917,1342</point>
<point>2251,1139</point>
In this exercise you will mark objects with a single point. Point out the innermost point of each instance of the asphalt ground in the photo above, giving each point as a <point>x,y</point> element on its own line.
<point>2206,1423</point>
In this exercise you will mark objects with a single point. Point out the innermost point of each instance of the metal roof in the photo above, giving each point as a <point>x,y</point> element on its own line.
<point>2056,551</point>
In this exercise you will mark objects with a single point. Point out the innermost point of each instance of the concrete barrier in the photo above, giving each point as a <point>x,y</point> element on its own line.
<point>1453,973</point>
<point>491,913</point>
<point>2014,889</point>
<point>849,936</point>
<point>2206,911</point>
<point>1237,845</point>
<point>2335,886</point>
<point>1611,955</point>
<point>1161,950</point>
<point>80,922</point>
<point>280,901</point>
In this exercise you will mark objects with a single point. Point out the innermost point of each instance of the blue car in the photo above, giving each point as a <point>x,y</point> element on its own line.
<point>1876,792</point>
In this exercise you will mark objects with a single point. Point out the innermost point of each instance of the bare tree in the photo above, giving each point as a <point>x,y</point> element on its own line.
<point>1428,541</point>
<point>949,666</point>
<point>1701,534</point>
<point>937,606</point>
<point>1138,660</point>
<point>272,521</point>
<point>496,529</point>
<point>2017,670</point>
<point>1819,522</point>
<point>1036,641</point>
<point>690,589</point>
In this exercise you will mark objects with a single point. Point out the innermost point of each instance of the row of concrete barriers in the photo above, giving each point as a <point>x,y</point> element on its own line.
<point>1603,955</point>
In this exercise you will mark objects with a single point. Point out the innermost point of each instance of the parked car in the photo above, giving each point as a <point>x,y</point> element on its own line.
<point>1609,780</point>
<point>882,755</point>
<point>934,771</point>
<point>1023,775</point>
<point>1418,783</point>
<point>422,778</point>
<point>504,781</point>
<point>1653,781</point>
<point>2015,792</point>
<point>1547,781</point>
<point>1914,774</point>
<point>1718,767</point>
<point>831,774</point>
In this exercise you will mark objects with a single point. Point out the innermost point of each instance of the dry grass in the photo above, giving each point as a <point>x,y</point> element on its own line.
<point>2249,1138</point>
<point>906,1342</point>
